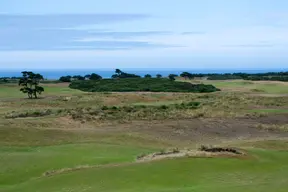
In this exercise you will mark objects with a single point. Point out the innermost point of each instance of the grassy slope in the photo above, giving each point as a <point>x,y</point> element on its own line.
<point>270,87</point>
<point>28,149</point>
<point>12,90</point>
<point>19,164</point>
<point>275,111</point>
<point>267,172</point>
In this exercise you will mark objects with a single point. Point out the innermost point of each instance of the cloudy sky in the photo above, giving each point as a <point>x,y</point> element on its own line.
<point>143,34</point>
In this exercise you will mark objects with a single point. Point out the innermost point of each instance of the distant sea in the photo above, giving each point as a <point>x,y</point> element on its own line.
<point>56,73</point>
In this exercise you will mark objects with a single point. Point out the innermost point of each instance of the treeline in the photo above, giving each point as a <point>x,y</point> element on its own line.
<point>118,75</point>
<point>9,79</point>
<point>69,78</point>
<point>270,76</point>
<point>265,78</point>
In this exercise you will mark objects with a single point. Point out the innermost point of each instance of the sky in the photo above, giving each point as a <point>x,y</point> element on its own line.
<point>79,34</point>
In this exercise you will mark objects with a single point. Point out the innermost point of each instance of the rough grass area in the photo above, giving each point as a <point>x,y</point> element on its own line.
<point>139,106</point>
<point>132,112</point>
<point>273,127</point>
<point>141,85</point>
<point>25,114</point>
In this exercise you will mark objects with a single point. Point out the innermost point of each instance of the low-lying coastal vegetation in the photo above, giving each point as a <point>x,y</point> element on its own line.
<point>141,85</point>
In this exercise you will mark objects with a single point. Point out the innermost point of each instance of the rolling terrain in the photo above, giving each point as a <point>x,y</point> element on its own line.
<point>74,141</point>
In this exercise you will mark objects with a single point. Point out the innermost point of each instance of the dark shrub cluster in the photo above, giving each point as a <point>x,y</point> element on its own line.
<point>267,78</point>
<point>270,76</point>
<point>65,78</point>
<point>189,105</point>
<point>141,85</point>
<point>120,75</point>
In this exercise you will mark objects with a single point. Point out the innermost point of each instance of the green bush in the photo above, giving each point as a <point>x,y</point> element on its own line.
<point>164,107</point>
<point>142,85</point>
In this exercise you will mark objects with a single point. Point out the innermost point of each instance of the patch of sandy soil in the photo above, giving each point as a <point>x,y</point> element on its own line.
<point>190,153</point>
<point>82,167</point>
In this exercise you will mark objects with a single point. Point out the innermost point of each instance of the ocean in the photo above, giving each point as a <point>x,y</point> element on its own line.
<point>107,73</point>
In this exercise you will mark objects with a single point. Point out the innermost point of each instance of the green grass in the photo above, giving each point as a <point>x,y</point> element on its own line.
<point>269,110</point>
<point>19,164</point>
<point>271,88</point>
<point>12,91</point>
<point>228,84</point>
<point>60,90</point>
<point>267,172</point>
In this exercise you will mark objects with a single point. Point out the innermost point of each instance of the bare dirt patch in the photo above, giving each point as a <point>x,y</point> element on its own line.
<point>209,130</point>
<point>186,132</point>
<point>200,131</point>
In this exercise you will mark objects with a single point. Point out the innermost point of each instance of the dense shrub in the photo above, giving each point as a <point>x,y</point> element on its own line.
<point>267,78</point>
<point>224,77</point>
<point>270,76</point>
<point>147,76</point>
<point>65,78</point>
<point>120,74</point>
<point>141,84</point>
<point>95,76</point>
